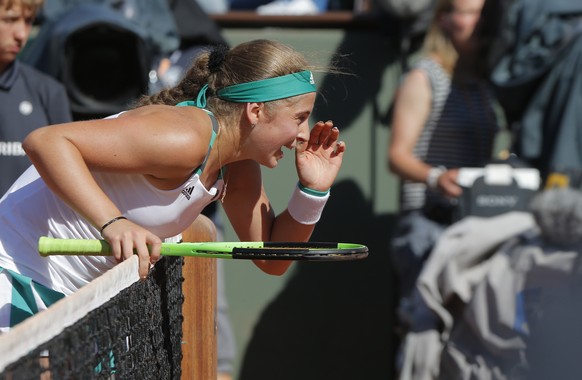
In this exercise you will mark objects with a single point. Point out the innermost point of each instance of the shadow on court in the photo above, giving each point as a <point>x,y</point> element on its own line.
<point>332,320</point>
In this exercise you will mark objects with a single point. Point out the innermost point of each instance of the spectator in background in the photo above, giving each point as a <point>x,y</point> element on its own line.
<point>29,99</point>
<point>443,119</point>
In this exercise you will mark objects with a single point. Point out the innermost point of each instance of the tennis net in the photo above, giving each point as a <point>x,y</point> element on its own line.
<point>116,327</point>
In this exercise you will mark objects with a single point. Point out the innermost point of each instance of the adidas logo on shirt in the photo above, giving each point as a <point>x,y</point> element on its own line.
<point>187,192</point>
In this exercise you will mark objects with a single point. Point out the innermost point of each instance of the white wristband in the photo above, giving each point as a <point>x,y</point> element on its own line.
<point>432,179</point>
<point>306,208</point>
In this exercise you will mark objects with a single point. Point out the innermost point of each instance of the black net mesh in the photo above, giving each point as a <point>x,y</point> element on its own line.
<point>135,335</point>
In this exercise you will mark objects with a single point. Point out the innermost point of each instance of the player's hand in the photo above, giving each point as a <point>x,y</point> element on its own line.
<point>127,238</point>
<point>319,159</point>
<point>447,184</point>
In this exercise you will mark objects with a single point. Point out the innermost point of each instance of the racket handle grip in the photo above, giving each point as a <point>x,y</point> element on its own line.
<point>51,246</point>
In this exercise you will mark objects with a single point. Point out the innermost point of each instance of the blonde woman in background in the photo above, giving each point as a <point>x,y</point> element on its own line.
<point>443,120</point>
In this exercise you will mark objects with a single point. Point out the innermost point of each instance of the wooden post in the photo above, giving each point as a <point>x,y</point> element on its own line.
<point>199,351</point>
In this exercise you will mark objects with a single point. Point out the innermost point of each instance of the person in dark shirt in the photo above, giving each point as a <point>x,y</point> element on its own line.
<point>29,99</point>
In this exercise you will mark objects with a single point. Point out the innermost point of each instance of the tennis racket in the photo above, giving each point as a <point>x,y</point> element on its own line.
<point>310,251</point>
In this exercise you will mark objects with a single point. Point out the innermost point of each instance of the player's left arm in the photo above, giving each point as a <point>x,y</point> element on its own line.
<point>253,217</point>
<point>317,159</point>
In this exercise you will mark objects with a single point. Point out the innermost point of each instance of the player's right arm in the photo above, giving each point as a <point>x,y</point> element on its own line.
<point>150,141</point>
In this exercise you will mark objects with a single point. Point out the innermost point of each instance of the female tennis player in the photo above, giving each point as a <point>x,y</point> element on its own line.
<point>143,176</point>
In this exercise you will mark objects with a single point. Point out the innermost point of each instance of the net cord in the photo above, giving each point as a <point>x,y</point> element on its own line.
<point>49,323</point>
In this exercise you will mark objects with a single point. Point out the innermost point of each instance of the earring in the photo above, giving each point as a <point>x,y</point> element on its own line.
<point>252,126</point>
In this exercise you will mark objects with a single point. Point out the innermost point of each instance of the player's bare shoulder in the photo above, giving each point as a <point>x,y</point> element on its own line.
<point>182,126</point>
<point>175,136</point>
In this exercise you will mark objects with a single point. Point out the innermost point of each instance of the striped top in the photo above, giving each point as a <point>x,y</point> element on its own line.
<point>459,132</point>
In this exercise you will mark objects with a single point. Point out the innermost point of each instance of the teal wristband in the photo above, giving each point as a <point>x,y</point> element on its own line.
<point>315,193</point>
<point>306,205</point>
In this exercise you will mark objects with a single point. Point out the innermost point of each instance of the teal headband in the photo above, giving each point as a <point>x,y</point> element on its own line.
<point>264,90</point>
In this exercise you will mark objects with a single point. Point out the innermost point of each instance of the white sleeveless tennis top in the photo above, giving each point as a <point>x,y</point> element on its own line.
<point>30,209</point>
